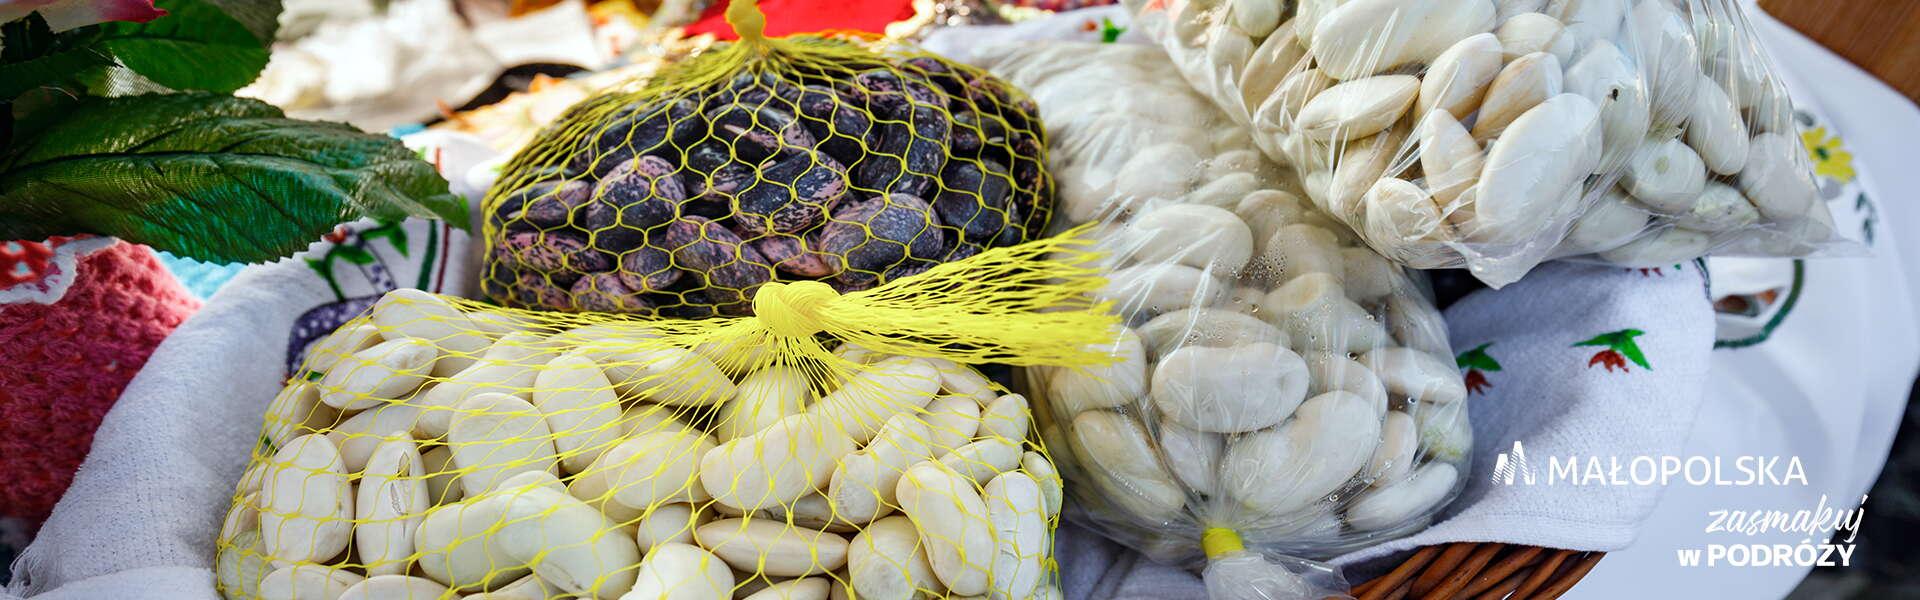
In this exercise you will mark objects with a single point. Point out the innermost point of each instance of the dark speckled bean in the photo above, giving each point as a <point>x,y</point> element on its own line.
<point>974,201</point>
<point>733,271</point>
<point>791,255</point>
<point>790,194</point>
<point>648,269</point>
<point>874,234</point>
<point>544,204</point>
<point>608,292</point>
<point>554,252</point>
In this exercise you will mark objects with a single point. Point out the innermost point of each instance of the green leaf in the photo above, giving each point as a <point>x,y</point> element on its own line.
<point>261,17</point>
<point>210,177</point>
<point>1632,351</point>
<point>18,78</point>
<point>354,254</point>
<point>194,47</point>
<point>1478,358</point>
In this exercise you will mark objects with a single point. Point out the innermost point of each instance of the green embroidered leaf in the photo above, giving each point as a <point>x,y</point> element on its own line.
<point>1478,358</point>
<point>1632,352</point>
<point>210,177</point>
<point>393,233</point>
<point>354,254</point>
<point>1110,33</point>
<point>195,47</point>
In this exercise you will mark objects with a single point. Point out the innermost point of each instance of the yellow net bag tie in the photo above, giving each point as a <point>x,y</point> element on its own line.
<point>1021,305</point>
<point>793,309</point>
<point>748,22</point>
<point>1220,541</point>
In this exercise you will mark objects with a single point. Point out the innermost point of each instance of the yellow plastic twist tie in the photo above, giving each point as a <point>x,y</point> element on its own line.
<point>747,21</point>
<point>1220,541</point>
<point>793,309</point>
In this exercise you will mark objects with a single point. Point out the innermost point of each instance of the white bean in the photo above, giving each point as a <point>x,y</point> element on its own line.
<point>886,561</point>
<point>772,548</point>
<point>507,367</point>
<point>413,313</point>
<point>893,386</point>
<point>388,506</point>
<point>1458,78</point>
<point>1229,390</point>
<point>1076,389</point>
<point>741,475</point>
<point>304,581</point>
<point>580,408</point>
<point>1386,507</point>
<point>1415,374</point>
<point>498,436</point>
<point>1018,513</point>
<point>306,512</point>
<point>386,371</point>
<point>1278,471</point>
<point>681,572</point>
<point>953,524</point>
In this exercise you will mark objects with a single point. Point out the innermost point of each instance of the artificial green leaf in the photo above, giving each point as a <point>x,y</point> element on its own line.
<point>354,254</point>
<point>261,17</point>
<point>210,177</point>
<point>195,47</point>
<point>18,78</point>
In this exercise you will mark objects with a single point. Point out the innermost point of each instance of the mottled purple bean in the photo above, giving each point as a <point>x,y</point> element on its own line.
<point>875,234</point>
<point>648,269</point>
<point>608,292</point>
<point>554,252</point>
<point>733,271</point>
<point>791,255</point>
<point>791,194</point>
<point>975,200</point>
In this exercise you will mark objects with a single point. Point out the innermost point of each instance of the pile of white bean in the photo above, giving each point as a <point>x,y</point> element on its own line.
<point>1491,133</point>
<point>427,452</point>
<point>1274,376</point>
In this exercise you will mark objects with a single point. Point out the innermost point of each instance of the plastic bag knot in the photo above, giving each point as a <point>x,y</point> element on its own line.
<point>793,309</point>
<point>1220,541</point>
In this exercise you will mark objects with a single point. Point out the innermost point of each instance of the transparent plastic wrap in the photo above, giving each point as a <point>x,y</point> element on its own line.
<point>1492,135</point>
<point>1282,393</point>
<point>829,446</point>
<point>762,160</point>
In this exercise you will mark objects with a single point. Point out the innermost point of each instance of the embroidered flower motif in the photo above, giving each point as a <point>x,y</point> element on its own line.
<point>1477,363</point>
<point>1620,348</point>
<point>1830,159</point>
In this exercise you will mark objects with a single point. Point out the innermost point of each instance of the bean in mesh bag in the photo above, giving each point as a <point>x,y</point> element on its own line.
<point>1493,135</point>
<point>790,159</point>
<point>1282,394</point>
<point>831,445</point>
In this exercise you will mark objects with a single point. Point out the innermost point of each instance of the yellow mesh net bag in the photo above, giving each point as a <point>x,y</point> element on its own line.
<point>830,446</point>
<point>791,159</point>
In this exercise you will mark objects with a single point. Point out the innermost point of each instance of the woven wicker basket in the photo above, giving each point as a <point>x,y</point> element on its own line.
<point>1482,571</point>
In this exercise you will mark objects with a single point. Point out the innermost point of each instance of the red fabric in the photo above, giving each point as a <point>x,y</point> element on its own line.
<point>63,365</point>
<point>786,17</point>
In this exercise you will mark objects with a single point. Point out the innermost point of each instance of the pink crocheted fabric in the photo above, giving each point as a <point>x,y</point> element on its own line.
<point>65,364</point>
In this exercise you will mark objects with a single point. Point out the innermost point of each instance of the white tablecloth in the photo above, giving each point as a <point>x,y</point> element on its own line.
<point>1829,386</point>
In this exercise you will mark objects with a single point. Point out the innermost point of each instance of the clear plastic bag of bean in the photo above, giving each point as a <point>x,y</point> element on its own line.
<point>829,446</point>
<point>1493,135</point>
<point>1282,394</point>
<point>768,159</point>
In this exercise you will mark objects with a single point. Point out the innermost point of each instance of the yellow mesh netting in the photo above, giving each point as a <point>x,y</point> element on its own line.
<point>831,446</point>
<point>792,159</point>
